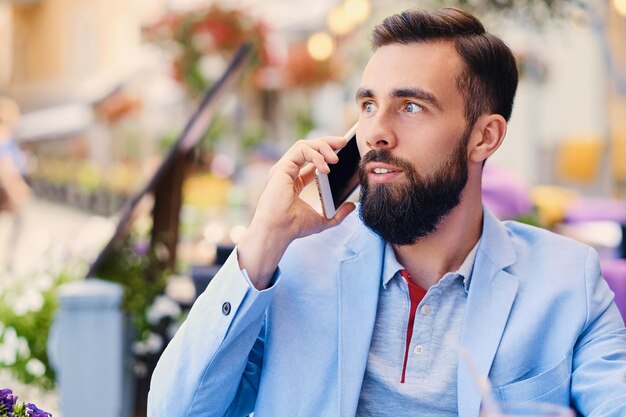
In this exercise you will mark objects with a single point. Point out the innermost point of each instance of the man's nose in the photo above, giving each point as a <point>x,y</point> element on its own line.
<point>380,133</point>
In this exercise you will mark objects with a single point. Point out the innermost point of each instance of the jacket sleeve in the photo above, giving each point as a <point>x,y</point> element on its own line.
<point>599,363</point>
<point>213,364</point>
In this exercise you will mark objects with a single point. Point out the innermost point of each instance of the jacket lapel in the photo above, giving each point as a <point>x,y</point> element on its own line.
<point>491,295</point>
<point>359,283</point>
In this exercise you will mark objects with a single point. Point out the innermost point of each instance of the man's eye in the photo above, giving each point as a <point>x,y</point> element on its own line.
<point>413,108</point>
<point>369,107</point>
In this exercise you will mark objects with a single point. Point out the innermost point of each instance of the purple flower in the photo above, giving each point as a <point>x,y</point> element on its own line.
<point>7,400</point>
<point>141,248</point>
<point>32,410</point>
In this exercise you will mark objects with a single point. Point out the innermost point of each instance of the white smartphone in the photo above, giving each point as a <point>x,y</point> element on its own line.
<point>335,187</point>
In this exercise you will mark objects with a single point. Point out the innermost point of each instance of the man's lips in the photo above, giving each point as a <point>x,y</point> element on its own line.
<point>379,173</point>
<point>381,168</point>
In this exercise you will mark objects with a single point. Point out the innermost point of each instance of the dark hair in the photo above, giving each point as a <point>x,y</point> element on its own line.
<point>489,80</point>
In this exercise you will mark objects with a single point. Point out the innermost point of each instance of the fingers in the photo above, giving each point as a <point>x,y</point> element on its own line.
<point>319,152</point>
<point>307,174</point>
<point>335,142</point>
<point>315,156</point>
<point>342,212</point>
<point>329,152</point>
<point>280,208</point>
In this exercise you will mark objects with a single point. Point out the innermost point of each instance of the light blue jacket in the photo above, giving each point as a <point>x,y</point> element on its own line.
<point>539,321</point>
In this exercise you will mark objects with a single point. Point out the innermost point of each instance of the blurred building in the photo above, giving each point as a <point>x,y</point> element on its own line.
<point>59,51</point>
<point>571,96</point>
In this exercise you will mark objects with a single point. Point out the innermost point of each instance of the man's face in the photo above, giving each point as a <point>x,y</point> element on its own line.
<point>413,136</point>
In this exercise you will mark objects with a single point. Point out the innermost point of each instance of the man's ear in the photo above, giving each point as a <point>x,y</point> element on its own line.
<point>487,136</point>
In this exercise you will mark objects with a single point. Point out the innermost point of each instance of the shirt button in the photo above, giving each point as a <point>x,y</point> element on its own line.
<point>226,308</point>
<point>425,310</point>
<point>419,349</point>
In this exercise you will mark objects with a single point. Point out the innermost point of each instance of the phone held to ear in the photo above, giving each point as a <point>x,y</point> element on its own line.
<point>335,187</point>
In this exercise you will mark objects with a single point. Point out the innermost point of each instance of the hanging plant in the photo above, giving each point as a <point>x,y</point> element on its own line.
<point>204,40</point>
<point>302,70</point>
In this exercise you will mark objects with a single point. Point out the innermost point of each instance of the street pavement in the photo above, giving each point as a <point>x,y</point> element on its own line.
<point>45,226</point>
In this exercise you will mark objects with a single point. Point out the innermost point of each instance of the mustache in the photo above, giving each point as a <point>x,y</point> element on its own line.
<point>385,156</point>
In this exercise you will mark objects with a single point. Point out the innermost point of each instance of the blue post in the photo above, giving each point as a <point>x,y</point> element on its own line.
<point>86,348</point>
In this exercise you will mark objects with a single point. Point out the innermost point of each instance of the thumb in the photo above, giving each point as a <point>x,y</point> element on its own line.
<point>342,212</point>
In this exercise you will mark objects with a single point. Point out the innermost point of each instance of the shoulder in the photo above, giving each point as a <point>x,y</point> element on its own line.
<point>543,250</point>
<point>524,235</point>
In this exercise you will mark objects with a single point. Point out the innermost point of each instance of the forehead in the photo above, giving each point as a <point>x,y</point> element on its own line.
<point>432,66</point>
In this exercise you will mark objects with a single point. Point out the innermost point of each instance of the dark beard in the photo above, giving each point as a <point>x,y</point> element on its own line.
<point>404,213</point>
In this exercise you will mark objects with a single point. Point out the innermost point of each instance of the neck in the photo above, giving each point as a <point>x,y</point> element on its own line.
<point>446,248</point>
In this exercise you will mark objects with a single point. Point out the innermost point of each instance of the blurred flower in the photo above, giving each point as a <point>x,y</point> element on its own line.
<point>8,347</point>
<point>205,38</point>
<point>141,248</point>
<point>212,66</point>
<point>35,367</point>
<point>163,307</point>
<point>27,305</point>
<point>161,252</point>
<point>172,329</point>
<point>10,408</point>
<point>32,410</point>
<point>7,400</point>
<point>152,344</point>
<point>31,300</point>
<point>12,346</point>
<point>181,289</point>
<point>43,281</point>
<point>304,71</point>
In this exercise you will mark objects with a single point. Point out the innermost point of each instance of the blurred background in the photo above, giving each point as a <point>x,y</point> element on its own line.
<point>98,183</point>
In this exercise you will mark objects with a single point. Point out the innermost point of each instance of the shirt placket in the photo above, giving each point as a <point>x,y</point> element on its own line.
<point>422,333</point>
<point>415,350</point>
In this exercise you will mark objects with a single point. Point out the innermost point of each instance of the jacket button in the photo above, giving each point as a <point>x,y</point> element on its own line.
<point>226,308</point>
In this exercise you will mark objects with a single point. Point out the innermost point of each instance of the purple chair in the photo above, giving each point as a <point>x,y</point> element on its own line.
<point>590,209</point>
<point>614,272</point>
<point>599,209</point>
<point>506,194</point>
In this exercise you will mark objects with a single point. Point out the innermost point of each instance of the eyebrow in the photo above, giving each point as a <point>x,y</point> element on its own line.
<point>416,93</point>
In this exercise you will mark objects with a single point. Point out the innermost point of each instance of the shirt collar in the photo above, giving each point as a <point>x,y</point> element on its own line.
<point>467,267</point>
<point>391,266</point>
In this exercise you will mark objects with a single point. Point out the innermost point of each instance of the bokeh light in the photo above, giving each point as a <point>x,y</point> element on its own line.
<point>339,21</point>
<point>320,46</point>
<point>620,7</point>
<point>358,10</point>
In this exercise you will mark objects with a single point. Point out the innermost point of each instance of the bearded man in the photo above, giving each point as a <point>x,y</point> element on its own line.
<point>366,313</point>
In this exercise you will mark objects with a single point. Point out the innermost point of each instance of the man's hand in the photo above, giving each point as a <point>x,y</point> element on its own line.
<point>281,216</point>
